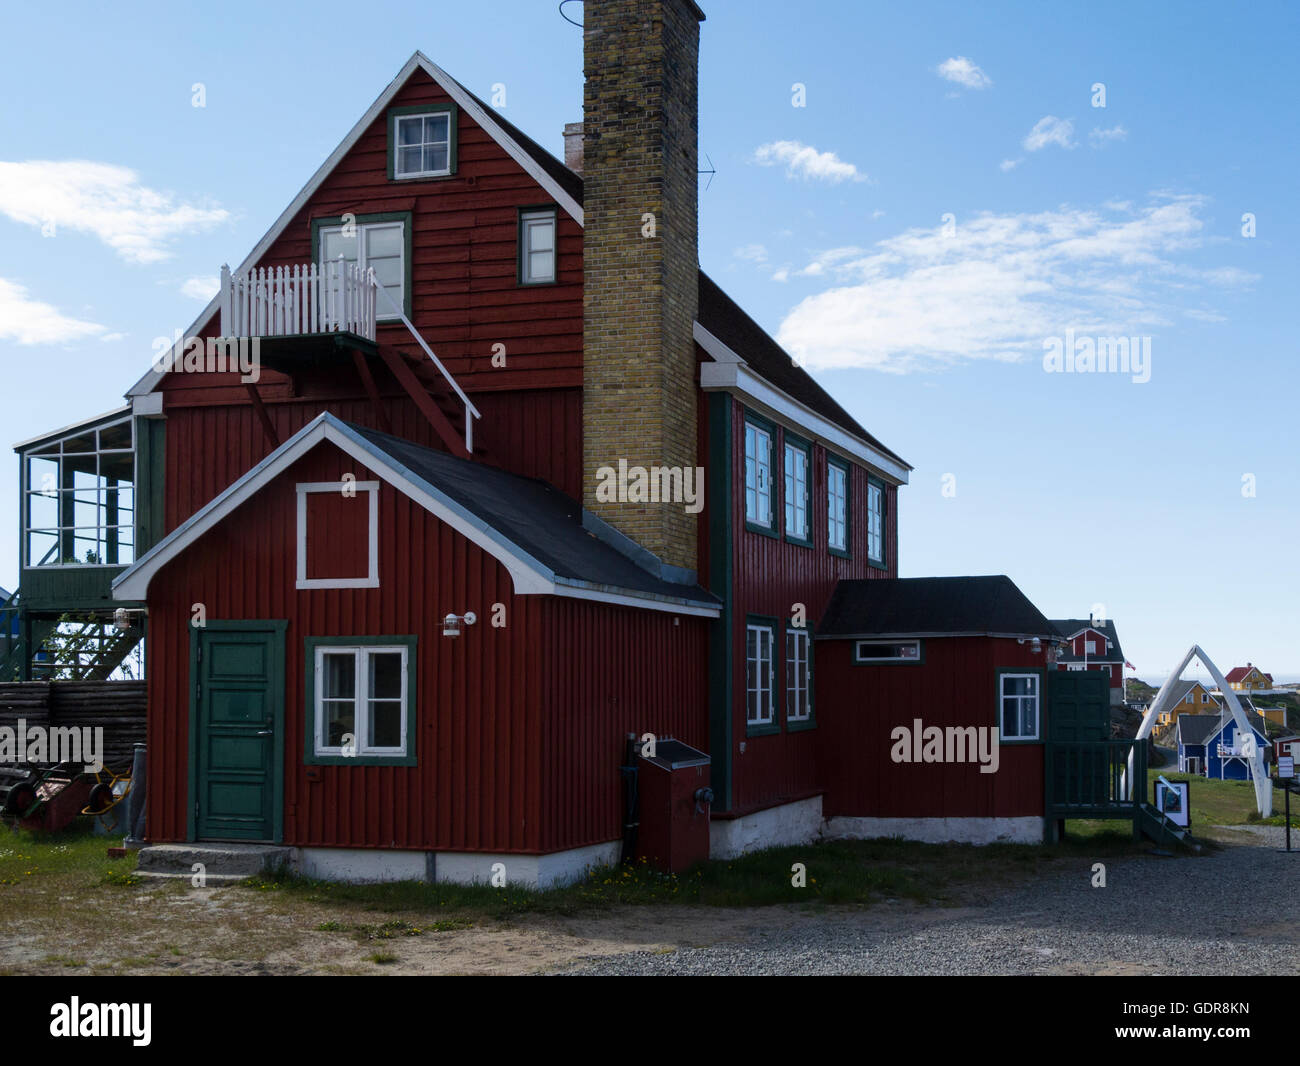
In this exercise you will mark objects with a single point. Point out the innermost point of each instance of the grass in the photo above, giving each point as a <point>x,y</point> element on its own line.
<point>835,872</point>
<point>30,859</point>
<point>1216,802</point>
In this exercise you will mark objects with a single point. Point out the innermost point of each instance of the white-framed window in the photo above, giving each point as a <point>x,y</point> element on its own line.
<point>380,246</point>
<point>79,498</point>
<point>796,491</point>
<point>876,523</point>
<point>887,651</point>
<point>1076,666</point>
<point>837,507</point>
<point>760,678</point>
<point>361,697</point>
<point>537,247</point>
<point>330,555</point>
<point>1090,646</point>
<point>1205,697</point>
<point>1019,706</point>
<point>422,145</point>
<point>798,675</point>
<point>758,475</point>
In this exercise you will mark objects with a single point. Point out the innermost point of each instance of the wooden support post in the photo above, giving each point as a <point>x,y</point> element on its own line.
<point>372,390</point>
<point>407,379</point>
<point>268,427</point>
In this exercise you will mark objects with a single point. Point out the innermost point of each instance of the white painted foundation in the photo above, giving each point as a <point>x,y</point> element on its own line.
<point>1028,830</point>
<point>775,827</point>
<point>360,865</point>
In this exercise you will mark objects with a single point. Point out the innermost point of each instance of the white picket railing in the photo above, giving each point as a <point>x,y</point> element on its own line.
<point>332,296</point>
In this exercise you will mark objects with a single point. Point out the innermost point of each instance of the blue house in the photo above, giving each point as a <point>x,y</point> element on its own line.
<point>1208,745</point>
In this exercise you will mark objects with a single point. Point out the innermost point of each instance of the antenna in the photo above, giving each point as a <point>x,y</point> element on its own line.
<point>566,17</point>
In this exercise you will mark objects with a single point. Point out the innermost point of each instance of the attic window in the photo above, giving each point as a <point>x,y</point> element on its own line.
<point>422,141</point>
<point>900,651</point>
<point>537,247</point>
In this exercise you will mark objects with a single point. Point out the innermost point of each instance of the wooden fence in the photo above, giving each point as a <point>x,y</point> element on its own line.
<point>118,707</point>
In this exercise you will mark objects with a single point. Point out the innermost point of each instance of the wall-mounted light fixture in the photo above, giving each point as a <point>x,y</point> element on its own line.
<point>1035,645</point>
<point>122,618</point>
<point>452,623</point>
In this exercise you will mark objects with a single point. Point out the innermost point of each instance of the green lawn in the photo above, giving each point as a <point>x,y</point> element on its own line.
<point>1215,802</point>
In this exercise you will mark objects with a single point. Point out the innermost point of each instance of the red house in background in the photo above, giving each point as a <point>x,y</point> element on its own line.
<point>516,480</point>
<point>1093,644</point>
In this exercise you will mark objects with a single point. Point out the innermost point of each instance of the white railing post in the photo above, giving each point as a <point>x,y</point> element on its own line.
<point>226,297</point>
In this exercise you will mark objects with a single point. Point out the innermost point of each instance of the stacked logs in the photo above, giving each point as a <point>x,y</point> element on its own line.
<point>118,707</point>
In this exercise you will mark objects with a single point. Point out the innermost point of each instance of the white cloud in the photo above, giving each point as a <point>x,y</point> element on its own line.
<point>109,338</point>
<point>1009,164</point>
<point>751,253</point>
<point>29,321</point>
<point>201,288</point>
<point>1099,136</point>
<point>1050,130</point>
<point>999,284</point>
<point>108,201</point>
<point>963,72</point>
<point>781,275</point>
<point>804,161</point>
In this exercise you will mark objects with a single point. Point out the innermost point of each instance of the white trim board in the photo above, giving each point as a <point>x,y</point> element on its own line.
<point>371,580</point>
<point>529,575</point>
<point>467,105</point>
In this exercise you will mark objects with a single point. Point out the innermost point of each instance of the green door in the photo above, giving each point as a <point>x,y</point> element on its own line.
<point>237,743</point>
<point>1078,715</point>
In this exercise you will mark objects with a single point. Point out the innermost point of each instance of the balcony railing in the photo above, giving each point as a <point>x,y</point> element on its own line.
<point>1090,777</point>
<point>332,296</point>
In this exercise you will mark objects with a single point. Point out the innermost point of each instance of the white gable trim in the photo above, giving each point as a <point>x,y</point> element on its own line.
<point>464,101</point>
<point>529,575</point>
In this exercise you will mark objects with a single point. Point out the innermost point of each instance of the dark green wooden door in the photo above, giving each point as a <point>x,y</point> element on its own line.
<point>239,719</point>
<point>1078,712</point>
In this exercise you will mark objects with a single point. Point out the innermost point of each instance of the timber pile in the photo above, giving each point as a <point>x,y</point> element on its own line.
<point>118,707</point>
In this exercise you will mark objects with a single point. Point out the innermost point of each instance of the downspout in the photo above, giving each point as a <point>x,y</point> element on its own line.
<point>631,801</point>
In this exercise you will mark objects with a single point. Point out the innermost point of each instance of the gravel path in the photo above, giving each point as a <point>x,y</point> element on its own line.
<point>1225,913</point>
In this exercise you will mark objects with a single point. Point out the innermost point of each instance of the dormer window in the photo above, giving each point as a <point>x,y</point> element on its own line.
<point>422,141</point>
<point>537,246</point>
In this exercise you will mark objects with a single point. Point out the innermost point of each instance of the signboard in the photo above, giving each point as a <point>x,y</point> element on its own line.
<point>1172,800</point>
<point>1286,766</point>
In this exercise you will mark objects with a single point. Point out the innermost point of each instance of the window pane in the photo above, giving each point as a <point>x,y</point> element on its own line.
<point>1010,719</point>
<point>410,130</point>
<point>340,675</point>
<point>410,160</point>
<point>385,675</point>
<point>42,475</point>
<point>435,158</point>
<point>334,244</point>
<point>383,240</point>
<point>385,724</point>
<point>43,511</point>
<point>541,236</point>
<point>388,272</point>
<point>83,442</point>
<point>435,128</point>
<point>340,723</point>
<point>116,436</point>
<point>541,266</point>
<point>42,548</point>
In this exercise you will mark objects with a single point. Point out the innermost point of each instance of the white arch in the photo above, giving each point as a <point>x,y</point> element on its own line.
<point>1263,786</point>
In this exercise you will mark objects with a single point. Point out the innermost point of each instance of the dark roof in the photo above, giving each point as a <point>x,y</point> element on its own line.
<point>1069,626</point>
<point>535,516</point>
<point>718,313</point>
<point>932,606</point>
<point>1181,689</point>
<point>1200,727</point>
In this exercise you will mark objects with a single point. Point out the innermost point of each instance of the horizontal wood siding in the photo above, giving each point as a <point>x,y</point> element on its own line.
<point>956,685</point>
<point>770,577</point>
<point>613,671</point>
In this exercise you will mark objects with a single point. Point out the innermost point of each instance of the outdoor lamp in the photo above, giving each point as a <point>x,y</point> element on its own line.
<point>451,624</point>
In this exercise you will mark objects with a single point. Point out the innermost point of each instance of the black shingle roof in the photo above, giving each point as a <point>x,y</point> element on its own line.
<point>1069,626</point>
<point>535,516</point>
<point>922,606</point>
<point>1198,728</point>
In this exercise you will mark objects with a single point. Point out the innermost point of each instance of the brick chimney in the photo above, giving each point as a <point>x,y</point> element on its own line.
<point>640,273</point>
<point>573,146</point>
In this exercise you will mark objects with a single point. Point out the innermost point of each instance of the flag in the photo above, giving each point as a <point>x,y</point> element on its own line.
<point>1128,665</point>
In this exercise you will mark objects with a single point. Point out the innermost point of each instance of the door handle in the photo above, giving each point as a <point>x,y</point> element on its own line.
<point>264,733</point>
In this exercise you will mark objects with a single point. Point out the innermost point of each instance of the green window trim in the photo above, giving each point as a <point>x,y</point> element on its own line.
<point>522,214</point>
<point>918,661</point>
<point>310,645</point>
<point>847,468</point>
<point>879,562</point>
<point>1041,674</point>
<point>791,440</point>
<point>799,725</point>
<point>405,217</point>
<point>776,689</point>
<point>453,127</point>
<point>750,418</point>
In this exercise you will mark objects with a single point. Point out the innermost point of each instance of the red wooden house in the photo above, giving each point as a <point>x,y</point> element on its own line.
<point>515,480</point>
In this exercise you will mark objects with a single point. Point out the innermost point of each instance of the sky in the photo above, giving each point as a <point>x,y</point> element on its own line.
<point>925,203</point>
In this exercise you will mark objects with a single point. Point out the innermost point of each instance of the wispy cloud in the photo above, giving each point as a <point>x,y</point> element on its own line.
<point>805,162</point>
<point>201,288</point>
<point>1050,130</point>
<point>999,284</point>
<point>1009,164</point>
<point>1099,136</point>
<point>29,321</point>
<point>107,201</point>
<point>751,253</point>
<point>961,70</point>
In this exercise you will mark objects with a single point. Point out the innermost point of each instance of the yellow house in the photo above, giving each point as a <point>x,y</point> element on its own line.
<point>1188,697</point>
<point>1248,678</point>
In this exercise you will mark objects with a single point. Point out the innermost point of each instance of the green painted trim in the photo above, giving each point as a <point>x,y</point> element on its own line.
<point>918,661</point>
<point>278,627</point>
<point>407,218</point>
<point>150,467</point>
<point>774,470</point>
<point>721,629</point>
<point>998,672</point>
<point>310,758</point>
<point>840,464</point>
<point>778,675</point>
<point>536,209</point>
<point>810,722</point>
<point>879,563</point>
<point>791,440</point>
<point>453,137</point>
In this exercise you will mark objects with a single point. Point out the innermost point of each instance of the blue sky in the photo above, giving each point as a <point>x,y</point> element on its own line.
<point>826,221</point>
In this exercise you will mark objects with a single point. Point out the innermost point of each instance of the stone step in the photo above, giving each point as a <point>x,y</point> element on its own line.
<point>209,880</point>
<point>234,860</point>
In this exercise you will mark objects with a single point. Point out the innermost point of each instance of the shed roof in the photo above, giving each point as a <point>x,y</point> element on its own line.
<point>932,606</point>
